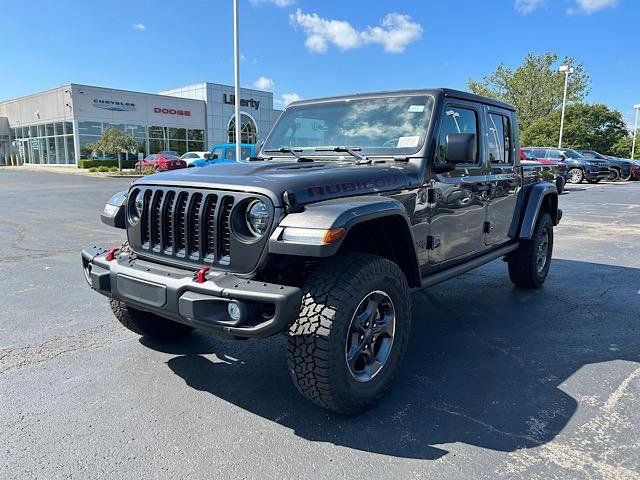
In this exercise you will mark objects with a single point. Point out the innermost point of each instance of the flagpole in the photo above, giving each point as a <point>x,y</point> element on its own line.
<point>236,68</point>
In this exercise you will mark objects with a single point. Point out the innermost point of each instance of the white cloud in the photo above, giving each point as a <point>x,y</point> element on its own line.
<point>264,83</point>
<point>140,26</point>
<point>527,6</point>
<point>580,6</point>
<point>277,3</point>
<point>285,99</point>
<point>394,33</point>
<point>591,6</point>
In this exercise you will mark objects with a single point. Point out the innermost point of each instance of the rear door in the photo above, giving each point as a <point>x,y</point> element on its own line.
<point>503,178</point>
<point>458,212</point>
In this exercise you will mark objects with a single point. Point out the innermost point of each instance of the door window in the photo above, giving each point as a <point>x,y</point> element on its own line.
<point>553,153</point>
<point>499,138</point>
<point>456,120</point>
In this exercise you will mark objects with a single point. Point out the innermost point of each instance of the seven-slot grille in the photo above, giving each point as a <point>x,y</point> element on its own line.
<point>185,224</point>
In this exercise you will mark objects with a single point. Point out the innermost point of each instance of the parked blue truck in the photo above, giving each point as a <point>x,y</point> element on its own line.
<point>226,153</point>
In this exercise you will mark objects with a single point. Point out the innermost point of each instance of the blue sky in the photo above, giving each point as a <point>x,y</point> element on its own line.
<point>305,48</point>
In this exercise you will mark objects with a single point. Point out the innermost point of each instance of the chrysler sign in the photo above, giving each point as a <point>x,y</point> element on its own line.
<point>114,105</point>
<point>172,111</point>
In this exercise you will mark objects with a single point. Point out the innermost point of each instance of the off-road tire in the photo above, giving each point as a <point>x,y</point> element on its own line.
<point>147,324</point>
<point>575,175</point>
<point>523,262</point>
<point>317,339</point>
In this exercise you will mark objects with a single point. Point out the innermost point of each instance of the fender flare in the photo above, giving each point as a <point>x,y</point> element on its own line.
<point>535,198</point>
<point>338,213</point>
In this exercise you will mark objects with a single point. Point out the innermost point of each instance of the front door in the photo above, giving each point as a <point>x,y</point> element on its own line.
<point>459,208</point>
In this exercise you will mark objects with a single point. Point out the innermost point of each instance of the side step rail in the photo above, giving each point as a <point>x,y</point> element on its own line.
<point>470,265</point>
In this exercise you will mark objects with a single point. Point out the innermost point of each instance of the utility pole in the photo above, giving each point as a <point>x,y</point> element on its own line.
<point>567,71</point>
<point>236,68</point>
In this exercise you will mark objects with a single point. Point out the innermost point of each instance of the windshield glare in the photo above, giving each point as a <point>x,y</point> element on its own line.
<point>388,125</point>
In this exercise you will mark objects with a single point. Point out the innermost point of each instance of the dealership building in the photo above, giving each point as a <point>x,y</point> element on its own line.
<point>54,127</point>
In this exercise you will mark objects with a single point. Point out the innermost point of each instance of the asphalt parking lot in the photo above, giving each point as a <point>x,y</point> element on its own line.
<point>498,382</point>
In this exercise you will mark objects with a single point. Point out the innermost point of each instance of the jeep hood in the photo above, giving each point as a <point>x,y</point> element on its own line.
<point>307,182</point>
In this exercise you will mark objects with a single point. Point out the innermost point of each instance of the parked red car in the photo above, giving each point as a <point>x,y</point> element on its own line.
<point>161,162</point>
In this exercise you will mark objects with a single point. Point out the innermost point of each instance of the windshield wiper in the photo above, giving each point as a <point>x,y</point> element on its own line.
<point>353,151</point>
<point>294,152</point>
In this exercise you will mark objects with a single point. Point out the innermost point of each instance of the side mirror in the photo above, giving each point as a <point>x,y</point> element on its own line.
<point>213,157</point>
<point>461,148</point>
<point>563,156</point>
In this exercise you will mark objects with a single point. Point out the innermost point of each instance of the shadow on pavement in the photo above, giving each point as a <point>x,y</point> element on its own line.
<point>483,366</point>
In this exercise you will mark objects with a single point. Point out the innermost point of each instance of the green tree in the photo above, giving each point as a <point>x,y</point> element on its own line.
<point>114,141</point>
<point>586,126</point>
<point>536,87</point>
<point>623,147</point>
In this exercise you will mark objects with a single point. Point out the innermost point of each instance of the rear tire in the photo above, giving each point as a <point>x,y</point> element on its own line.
<point>529,264</point>
<point>575,175</point>
<point>336,359</point>
<point>625,178</point>
<point>147,324</point>
<point>560,183</point>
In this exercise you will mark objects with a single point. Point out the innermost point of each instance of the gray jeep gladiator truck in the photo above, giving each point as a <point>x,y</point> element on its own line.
<point>350,204</point>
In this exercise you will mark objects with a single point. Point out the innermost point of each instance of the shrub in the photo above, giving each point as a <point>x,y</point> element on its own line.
<point>93,169</point>
<point>148,171</point>
<point>113,169</point>
<point>103,169</point>
<point>106,163</point>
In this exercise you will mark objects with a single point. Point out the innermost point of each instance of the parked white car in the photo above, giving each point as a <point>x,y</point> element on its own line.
<point>191,157</point>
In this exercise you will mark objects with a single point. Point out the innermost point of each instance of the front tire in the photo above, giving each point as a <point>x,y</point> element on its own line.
<point>347,344</point>
<point>615,175</point>
<point>147,324</point>
<point>575,175</point>
<point>529,264</point>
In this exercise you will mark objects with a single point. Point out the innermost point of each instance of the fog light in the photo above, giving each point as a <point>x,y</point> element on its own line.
<point>233,309</point>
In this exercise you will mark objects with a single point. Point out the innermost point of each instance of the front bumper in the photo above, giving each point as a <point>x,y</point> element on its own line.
<point>175,294</point>
<point>597,174</point>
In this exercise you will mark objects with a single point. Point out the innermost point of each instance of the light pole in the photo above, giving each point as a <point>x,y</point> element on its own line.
<point>635,132</point>
<point>567,70</point>
<point>236,69</point>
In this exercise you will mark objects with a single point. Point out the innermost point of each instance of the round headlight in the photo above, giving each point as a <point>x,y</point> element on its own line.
<point>139,203</point>
<point>257,218</point>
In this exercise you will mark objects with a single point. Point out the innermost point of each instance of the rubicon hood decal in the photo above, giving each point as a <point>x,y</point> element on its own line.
<point>310,182</point>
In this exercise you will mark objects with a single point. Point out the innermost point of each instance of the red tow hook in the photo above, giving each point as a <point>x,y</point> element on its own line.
<point>111,254</point>
<point>201,275</point>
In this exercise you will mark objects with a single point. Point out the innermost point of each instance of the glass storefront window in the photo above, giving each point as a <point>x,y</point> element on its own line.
<point>33,131</point>
<point>68,128</point>
<point>60,156</point>
<point>117,126</point>
<point>85,140</point>
<point>156,146</point>
<point>136,131</point>
<point>49,130</point>
<point>51,150</point>
<point>156,132</point>
<point>58,128</point>
<point>179,146</point>
<point>178,133</point>
<point>41,131</point>
<point>44,155</point>
<point>71,153</point>
<point>89,128</point>
<point>196,146</point>
<point>197,135</point>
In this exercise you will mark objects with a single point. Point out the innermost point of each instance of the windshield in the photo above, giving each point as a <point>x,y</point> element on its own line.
<point>572,154</point>
<point>383,126</point>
